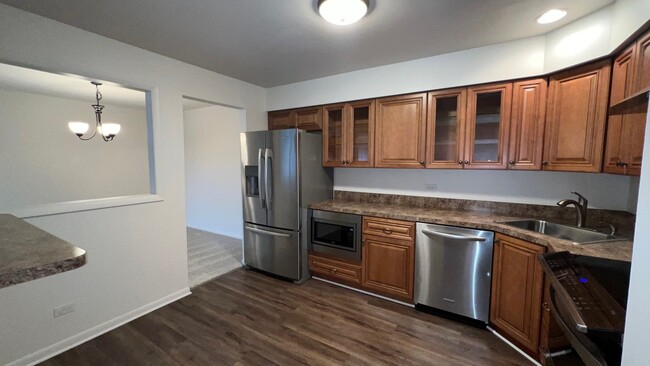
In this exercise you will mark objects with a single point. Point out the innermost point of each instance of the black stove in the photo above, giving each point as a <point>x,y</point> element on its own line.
<point>588,296</point>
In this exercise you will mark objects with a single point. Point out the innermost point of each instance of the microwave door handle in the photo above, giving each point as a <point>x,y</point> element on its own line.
<point>260,177</point>
<point>268,177</point>
<point>454,236</point>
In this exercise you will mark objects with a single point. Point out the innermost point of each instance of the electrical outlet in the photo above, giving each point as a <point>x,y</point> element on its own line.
<point>431,187</point>
<point>63,309</point>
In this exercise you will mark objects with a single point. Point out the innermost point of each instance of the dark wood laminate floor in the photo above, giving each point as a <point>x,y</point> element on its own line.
<point>246,318</point>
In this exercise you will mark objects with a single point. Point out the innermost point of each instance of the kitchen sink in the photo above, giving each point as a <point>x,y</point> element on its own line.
<point>572,233</point>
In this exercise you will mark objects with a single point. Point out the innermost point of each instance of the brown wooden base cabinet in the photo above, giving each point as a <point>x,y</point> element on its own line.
<point>388,257</point>
<point>387,265</point>
<point>335,269</point>
<point>517,287</point>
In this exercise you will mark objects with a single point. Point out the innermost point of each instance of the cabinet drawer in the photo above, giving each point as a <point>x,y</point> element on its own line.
<point>387,228</point>
<point>335,269</point>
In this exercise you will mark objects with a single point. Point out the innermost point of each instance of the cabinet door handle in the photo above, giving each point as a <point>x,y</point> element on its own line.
<point>544,162</point>
<point>333,271</point>
<point>466,162</point>
<point>512,162</point>
<point>388,231</point>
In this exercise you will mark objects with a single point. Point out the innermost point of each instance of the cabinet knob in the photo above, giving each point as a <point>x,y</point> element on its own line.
<point>544,162</point>
<point>512,162</point>
<point>333,271</point>
<point>460,162</point>
<point>466,162</point>
<point>388,231</point>
<point>421,162</point>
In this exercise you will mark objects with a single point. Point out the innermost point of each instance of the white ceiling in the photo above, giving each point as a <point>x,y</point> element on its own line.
<point>276,42</point>
<point>71,87</point>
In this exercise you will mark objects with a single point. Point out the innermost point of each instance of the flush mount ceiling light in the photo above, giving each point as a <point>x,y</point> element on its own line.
<point>106,130</point>
<point>551,16</point>
<point>342,12</point>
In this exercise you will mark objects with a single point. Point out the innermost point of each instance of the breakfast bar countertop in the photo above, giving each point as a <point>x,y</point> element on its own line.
<point>28,253</point>
<point>617,250</point>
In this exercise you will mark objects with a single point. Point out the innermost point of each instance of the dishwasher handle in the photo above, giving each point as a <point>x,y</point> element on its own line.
<point>454,236</point>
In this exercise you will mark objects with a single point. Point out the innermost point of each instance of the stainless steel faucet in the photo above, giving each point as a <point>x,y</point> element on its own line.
<point>580,205</point>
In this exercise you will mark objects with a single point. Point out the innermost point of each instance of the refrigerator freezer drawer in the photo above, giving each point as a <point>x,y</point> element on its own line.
<point>272,250</point>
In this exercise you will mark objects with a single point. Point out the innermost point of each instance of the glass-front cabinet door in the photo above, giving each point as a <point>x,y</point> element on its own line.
<point>361,116</point>
<point>445,129</point>
<point>488,123</point>
<point>334,149</point>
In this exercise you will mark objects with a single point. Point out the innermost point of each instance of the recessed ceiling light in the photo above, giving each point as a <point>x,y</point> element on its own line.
<point>342,12</point>
<point>551,16</point>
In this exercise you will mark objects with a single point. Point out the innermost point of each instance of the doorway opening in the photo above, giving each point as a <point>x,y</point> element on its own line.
<point>213,198</point>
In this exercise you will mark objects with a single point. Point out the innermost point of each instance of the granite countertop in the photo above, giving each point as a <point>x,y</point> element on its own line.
<point>618,250</point>
<point>28,253</point>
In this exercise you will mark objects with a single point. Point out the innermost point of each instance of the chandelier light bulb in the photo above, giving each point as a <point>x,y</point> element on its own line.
<point>551,16</point>
<point>78,128</point>
<point>342,12</point>
<point>110,129</point>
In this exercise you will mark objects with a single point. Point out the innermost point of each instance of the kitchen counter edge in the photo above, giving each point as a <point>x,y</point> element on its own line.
<point>28,253</point>
<point>617,250</point>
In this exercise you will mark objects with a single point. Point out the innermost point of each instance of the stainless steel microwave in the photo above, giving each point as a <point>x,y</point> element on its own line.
<point>335,234</point>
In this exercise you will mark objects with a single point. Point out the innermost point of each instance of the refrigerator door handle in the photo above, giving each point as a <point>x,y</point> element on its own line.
<point>454,236</point>
<point>268,177</point>
<point>265,232</point>
<point>260,177</point>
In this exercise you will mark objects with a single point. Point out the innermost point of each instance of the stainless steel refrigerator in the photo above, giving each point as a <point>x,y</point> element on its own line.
<point>282,174</point>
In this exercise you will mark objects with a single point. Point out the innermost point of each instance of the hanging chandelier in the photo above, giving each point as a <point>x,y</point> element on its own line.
<point>106,130</point>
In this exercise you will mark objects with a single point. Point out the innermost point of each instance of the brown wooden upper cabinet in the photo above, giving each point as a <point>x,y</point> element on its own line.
<point>400,131</point>
<point>304,118</point>
<point>348,131</point>
<point>527,124</point>
<point>445,146</point>
<point>643,63</point>
<point>576,115</point>
<point>280,119</point>
<point>468,128</point>
<point>488,123</point>
<point>625,133</point>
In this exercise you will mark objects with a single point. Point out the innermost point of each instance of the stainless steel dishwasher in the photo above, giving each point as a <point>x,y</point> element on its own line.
<point>453,269</point>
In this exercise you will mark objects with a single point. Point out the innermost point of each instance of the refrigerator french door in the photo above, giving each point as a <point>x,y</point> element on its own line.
<point>274,164</point>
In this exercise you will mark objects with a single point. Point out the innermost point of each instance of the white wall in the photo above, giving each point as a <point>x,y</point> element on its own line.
<point>213,198</point>
<point>137,255</point>
<point>50,164</point>
<point>479,65</point>
<point>603,191</point>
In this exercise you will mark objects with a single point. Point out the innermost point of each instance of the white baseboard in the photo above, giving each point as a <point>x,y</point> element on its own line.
<point>363,292</point>
<point>532,360</point>
<point>79,338</point>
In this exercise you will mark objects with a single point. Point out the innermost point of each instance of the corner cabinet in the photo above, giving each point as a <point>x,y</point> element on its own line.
<point>388,257</point>
<point>400,131</point>
<point>517,287</point>
<point>304,118</point>
<point>576,116</point>
<point>348,134</point>
<point>625,133</point>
